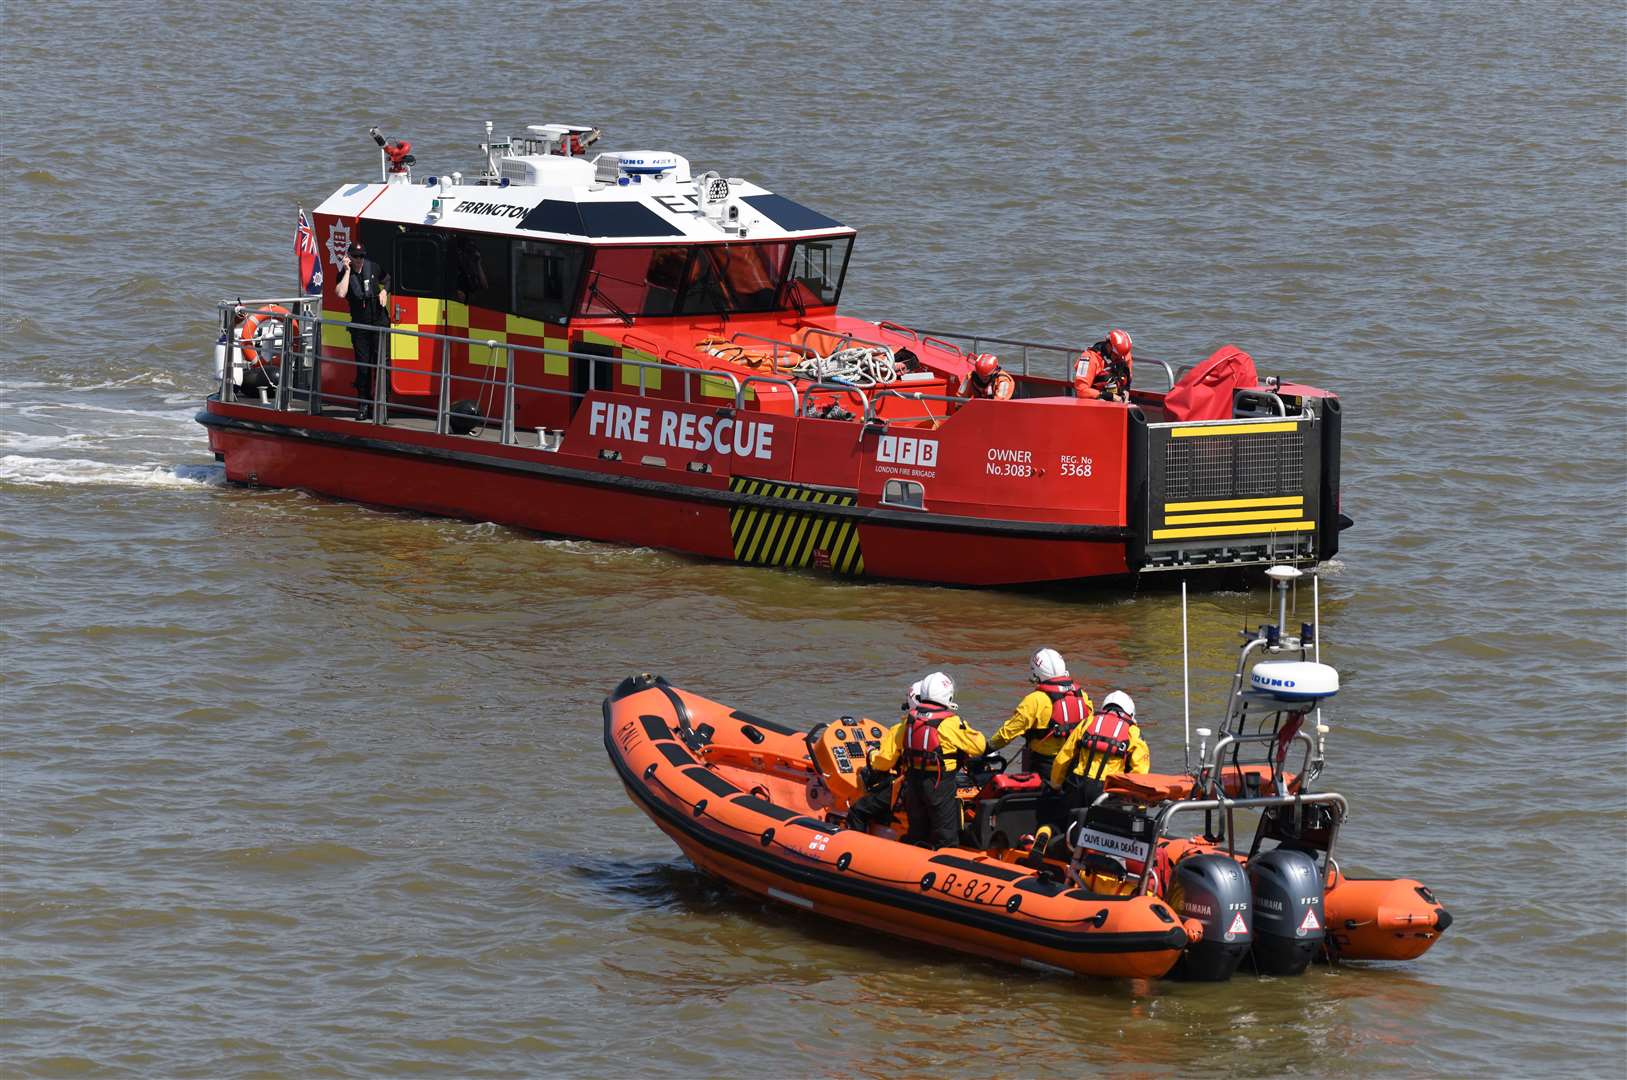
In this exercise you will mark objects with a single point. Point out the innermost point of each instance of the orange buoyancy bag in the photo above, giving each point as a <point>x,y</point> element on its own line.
<point>1068,707</point>
<point>1205,392</point>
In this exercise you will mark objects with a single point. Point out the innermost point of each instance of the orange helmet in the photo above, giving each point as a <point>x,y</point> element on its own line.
<point>1118,343</point>
<point>985,364</point>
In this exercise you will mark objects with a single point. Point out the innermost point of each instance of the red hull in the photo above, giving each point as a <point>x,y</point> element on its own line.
<point>454,476</point>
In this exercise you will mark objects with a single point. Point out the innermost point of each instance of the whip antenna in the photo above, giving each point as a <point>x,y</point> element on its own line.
<point>1186,688</point>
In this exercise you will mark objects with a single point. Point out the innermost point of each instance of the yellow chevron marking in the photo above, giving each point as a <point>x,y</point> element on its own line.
<point>1235,530</point>
<point>1229,504</point>
<point>1242,515</point>
<point>1245,428</point>
<point>771,537</point>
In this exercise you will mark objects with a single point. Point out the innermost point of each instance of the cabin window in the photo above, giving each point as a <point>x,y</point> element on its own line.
<point>478,267</point>
<point>679,279</point>
<point>733,278</point>
<point>817,269</point>
<point>905,493</point>
<point>419,265</point>
<point>545,277</point>
<point>634,280</point>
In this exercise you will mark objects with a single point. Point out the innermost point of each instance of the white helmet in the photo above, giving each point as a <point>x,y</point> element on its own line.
<point>1046,664</point>
<point>1125,703</point>
<point>936,689</point>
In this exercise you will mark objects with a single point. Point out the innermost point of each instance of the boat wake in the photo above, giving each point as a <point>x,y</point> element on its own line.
<point>37,471</point>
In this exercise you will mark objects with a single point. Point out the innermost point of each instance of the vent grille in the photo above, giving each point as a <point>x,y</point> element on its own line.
<point>1235,466</point>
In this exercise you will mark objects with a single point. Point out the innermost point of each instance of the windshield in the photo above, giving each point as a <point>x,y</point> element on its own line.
<point>682,279</point>
<point>713,279</point>
<point>817,269</point>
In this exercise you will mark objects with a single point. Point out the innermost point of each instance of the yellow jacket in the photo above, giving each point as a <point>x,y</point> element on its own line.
<point>1073,758</point>
<point>1033,715</point>
<point>957,740</point>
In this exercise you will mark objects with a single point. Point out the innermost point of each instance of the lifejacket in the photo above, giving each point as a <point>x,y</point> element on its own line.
<point>1000,388</point>
<point>1107,734</point>
<point>1094,376</point>
<point>923,747</point>
<point>1068,708</point>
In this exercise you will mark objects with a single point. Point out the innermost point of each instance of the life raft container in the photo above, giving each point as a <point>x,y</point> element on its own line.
<point>750,800</point>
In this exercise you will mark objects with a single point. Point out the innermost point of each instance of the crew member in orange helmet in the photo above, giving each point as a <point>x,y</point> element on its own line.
<point>988,379</point>
<point>1103,370</point>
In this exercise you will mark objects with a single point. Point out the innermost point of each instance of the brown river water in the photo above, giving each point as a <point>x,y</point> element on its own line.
<point>298,788</point>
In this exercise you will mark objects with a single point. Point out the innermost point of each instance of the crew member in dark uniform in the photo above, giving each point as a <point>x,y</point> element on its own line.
<point>367,290</point>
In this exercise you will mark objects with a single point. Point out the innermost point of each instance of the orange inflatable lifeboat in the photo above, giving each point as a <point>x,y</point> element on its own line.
<point>751,801</point>
<point>1113,888</point>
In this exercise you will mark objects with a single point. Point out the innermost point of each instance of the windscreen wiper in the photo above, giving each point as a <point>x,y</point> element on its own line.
<point>615,308</point>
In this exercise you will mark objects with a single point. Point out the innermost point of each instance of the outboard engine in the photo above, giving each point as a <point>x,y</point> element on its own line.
<point>1213,890</point>
<point>1288,915</point>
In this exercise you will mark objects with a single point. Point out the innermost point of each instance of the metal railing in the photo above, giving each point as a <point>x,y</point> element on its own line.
<point>1068,353</point>
<point>300,361</point>
<point>296,377</point>
<point>917,396</point>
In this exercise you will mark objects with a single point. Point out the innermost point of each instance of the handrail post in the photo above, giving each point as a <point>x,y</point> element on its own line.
<point>226,356</point>
<point>313,396</point>
<point>443,396</point>
<point>311,345</point>
<point>381,375</point>
<point>285,365</point>
<point>507,436</point>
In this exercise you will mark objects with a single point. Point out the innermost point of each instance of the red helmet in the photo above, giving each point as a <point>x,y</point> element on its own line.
<point>985,364</point>
<point>1118,343</point>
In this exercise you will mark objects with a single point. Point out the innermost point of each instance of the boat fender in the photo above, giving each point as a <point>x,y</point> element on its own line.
<point>1289,914</point>
<point>1213,891</point>
<point>464,416</point>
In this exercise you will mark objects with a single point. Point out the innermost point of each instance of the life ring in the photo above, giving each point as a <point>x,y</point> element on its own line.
<point>261,331</point>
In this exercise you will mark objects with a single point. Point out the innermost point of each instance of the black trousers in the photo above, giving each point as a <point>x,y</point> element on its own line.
<point>933,810</point>
<point>369,348</point>
<point>1038,763</point>
<point>870,808</point>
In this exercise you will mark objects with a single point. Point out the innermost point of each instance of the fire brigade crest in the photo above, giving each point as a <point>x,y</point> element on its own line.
<point>338,243</point>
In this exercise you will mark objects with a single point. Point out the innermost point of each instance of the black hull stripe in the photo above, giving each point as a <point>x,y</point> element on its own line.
<point>945,911</point>
<point>738,500</point>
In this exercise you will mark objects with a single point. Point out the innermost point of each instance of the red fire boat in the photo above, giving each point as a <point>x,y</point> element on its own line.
<point>612,346</point>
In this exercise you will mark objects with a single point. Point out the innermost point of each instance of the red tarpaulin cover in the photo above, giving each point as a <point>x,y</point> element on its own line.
<point>1205,392</point>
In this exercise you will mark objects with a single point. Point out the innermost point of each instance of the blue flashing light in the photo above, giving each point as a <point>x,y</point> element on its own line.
<point>622,181</point>
<point>431,181</point>
<point>503,182</point>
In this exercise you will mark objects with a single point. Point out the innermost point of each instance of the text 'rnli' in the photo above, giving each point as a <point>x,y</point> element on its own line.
<point>683,430</point>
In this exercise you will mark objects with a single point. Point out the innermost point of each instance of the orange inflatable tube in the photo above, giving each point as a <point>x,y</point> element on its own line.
<point>1381,919</point>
